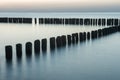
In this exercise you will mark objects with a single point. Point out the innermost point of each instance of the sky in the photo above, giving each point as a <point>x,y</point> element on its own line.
<point>60,5</point>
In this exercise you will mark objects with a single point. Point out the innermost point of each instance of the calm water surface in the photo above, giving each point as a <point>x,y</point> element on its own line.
<point>91,60</point>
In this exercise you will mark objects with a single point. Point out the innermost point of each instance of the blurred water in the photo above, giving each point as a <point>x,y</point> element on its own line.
<point>63,14</point>
<point>91,60</point>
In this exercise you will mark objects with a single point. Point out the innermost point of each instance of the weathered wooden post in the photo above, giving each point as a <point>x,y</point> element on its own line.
<point>9,20</point>
<point>70,21</point>
<point>92,35</point>
<point>19,50</point>
<point>63,38</point>
<point>87,21</point>
<point>88,35</point>
<point>81,36</point>
<point>77,21</point>
<point>96,34</point>
<point>54,21</point>
<point>41,21</point>
<point>19,20</point>
<point>58,41</point>
<point>112,22</point>
<point>44,45</point>
<point>81,21</point>
<point>109,22</point>
<point>99,22</point>
<point>45,20</point>
<point>116,22</point>
<point>76,34</point>
<point>103,22</point>
<point>96,22</point>
<point>84,36</point>
<point>52,43</point>
<point>91,22</point>
<point>37,46</point>
<point>69,39</point>
<point>63,22</point>
<point>50,21</point>
<point>73,38</point>
<point>8,51</point>
<point>28,48</point>
<point>99,32</point>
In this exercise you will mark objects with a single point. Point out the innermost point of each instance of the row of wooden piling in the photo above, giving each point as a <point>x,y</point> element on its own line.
<point>66,21</point>
<point>59,41</point>
<point>28,48</point>
<point>16,20</point>
<point>81,21</point>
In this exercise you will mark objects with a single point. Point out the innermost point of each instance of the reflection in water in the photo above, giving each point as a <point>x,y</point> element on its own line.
<point>19,68</point>
<point>9,70</point>
<point>37,55</point>
<point>53,52</point>
<point>44,55</point>
<point>29,59</point>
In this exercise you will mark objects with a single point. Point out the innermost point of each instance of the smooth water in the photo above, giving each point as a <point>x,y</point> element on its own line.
<point>91,60</point>
<point>63,15</point>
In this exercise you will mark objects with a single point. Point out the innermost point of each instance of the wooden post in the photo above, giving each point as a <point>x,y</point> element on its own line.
<point>94,22</point>
<point>52,43</point>
<point>8,51</point>
<point>58,41</point>
<point>81,21</point>
<point>84,36</point>
<point>91,22</point>
<point>99,32</point>
<point>92,35</point>
<point>88,35</point>
<point>87,21</point>
<point>81,36</point>
<point>37,46</point>
<point>116,22</point>
<point>73,38</point>
<point>103,22</point>
<point>44,45</point>
<point>76,34</point>
<point>28,48</point>
<point>99,22</point>
<point>63,38</point>
<point>19,50</point>
<point>69,39</point>
<point>109,22</point>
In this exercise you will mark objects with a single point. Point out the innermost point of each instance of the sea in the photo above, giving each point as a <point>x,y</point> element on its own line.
<point>90,60</point>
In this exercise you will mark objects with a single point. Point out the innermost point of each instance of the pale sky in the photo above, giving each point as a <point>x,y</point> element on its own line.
<point>60,5</point>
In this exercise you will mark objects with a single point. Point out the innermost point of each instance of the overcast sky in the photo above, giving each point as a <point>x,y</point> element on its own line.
<point>60,5</point>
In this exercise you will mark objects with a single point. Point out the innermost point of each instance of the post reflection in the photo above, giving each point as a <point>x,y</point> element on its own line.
<point>9,70</point>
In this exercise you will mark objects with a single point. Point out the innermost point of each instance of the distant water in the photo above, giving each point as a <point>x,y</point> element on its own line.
<point>91,60</point>
<point>63,15</point>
